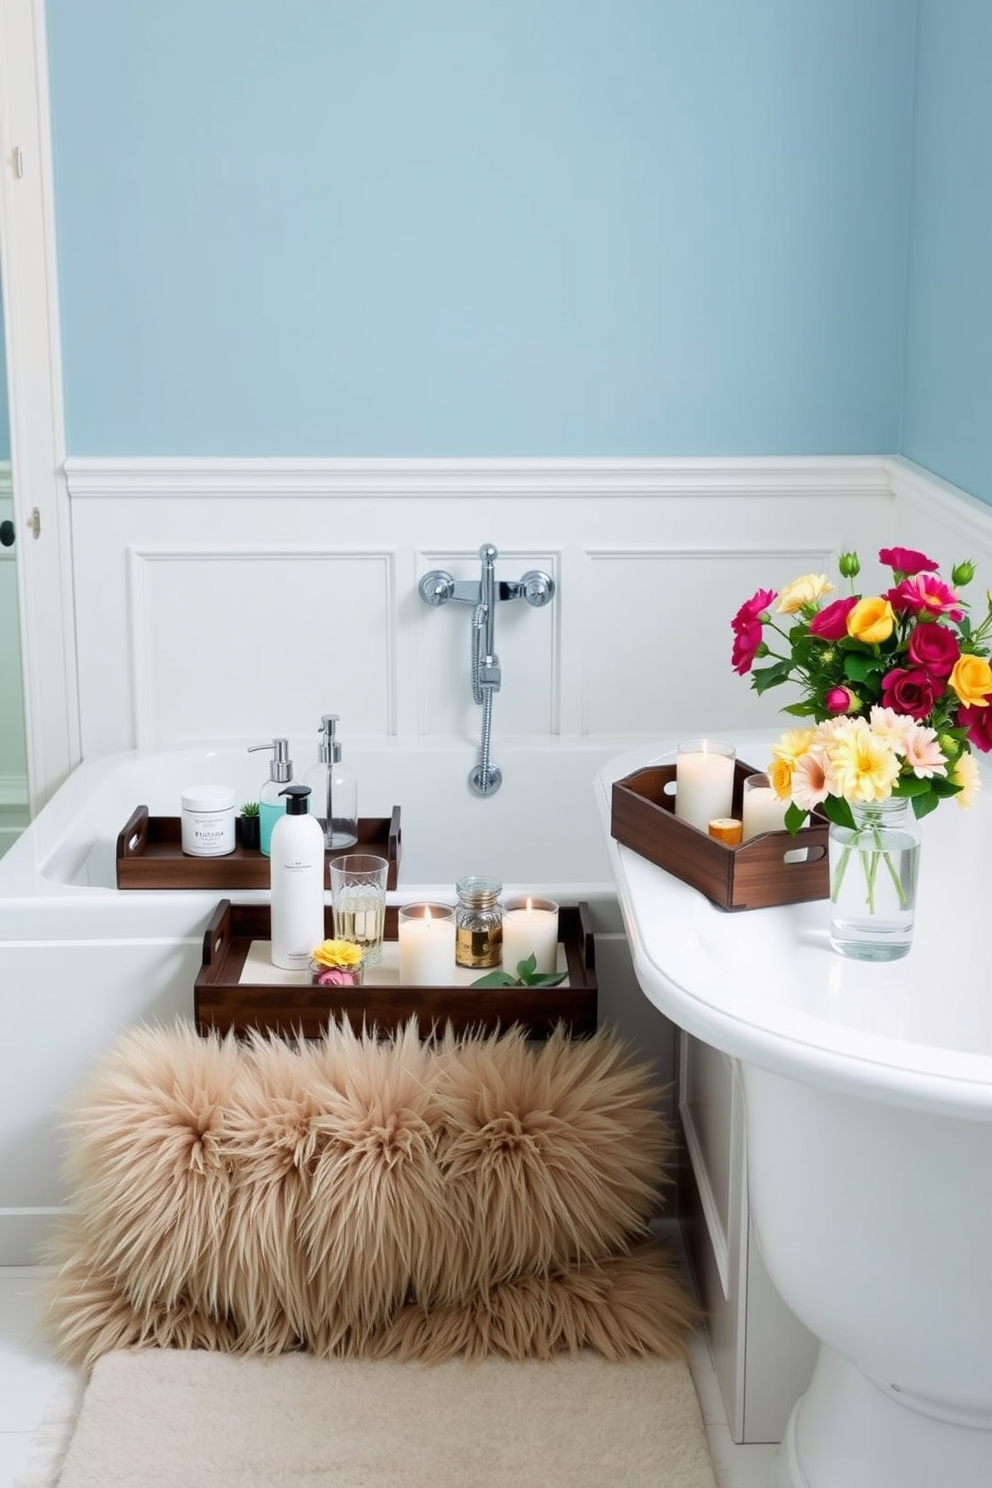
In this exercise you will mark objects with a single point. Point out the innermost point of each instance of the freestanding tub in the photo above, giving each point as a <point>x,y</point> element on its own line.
<point>80,960</point>
<point>868,1109</point>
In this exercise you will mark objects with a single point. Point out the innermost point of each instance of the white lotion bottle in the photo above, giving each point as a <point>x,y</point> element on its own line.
<point>296,877</point>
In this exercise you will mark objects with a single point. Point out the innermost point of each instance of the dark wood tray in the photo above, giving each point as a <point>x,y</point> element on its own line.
<point>222,1002</point>
<point>150,855</point>
<point>754,875</point>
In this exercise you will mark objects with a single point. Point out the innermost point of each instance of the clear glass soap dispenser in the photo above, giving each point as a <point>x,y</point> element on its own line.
<point>334,789</point>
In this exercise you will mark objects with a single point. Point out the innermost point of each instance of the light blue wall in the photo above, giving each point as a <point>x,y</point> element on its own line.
<point>948,399</point>
<point>488,227</point>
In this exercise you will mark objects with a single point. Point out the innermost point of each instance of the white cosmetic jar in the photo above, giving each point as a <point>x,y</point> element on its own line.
<point>207,821</point>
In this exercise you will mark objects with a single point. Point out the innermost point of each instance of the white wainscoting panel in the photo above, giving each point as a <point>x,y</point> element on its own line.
<point>677,606</point>
<point>203,623</point>
<point>238,598</point>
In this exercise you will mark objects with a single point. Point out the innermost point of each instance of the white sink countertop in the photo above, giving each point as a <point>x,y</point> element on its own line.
<point>765,985</point>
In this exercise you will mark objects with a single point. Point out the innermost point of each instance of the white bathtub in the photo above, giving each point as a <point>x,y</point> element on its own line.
<point>80,959</point>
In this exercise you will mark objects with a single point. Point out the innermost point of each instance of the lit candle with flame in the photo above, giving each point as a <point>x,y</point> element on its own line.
<point>530,928</point>
<point>426,936</point>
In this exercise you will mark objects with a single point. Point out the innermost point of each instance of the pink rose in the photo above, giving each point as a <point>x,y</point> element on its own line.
<point>335,976</point>
<point>906,560</point>
<point>978,722</point>
<point>910,692</point>
<point>838,700</point>
<point>925,595</point>
<point>830,623</point>
<point>934,648</point>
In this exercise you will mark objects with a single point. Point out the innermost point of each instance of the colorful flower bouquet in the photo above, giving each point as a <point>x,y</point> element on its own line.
<point>336,963</point>
<point>897,685</point>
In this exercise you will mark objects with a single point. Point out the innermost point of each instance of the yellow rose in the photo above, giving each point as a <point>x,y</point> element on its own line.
<point>972,681</point>
<point>871,621</point>
<point>805,590</point>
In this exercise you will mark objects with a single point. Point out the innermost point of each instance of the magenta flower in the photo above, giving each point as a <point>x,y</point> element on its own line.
<point>934,648</point>
<point>747,639</point>
<point>909,691</point>
<point>746,626</point>
<point>752,609</point>
<point>978,722</point>
<point>906,560</point>
<point>830,623</point>
<point>839,700</point>
<point>925,595</point>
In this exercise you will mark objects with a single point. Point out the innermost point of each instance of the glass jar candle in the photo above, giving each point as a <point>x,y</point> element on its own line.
<point>478,923</point>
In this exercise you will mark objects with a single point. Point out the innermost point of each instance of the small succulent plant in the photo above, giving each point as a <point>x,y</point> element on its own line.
<point>249,808</point>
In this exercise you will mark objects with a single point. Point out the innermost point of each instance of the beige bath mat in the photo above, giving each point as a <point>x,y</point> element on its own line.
<point>174,1419</point>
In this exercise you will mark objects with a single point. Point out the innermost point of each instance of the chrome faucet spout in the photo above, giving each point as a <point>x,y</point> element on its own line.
<point>438,587</point>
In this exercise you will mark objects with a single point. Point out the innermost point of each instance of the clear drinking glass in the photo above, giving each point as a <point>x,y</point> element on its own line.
<point>358,899</point>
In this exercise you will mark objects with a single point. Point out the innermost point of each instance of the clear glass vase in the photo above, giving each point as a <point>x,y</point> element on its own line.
<point>873,872</point>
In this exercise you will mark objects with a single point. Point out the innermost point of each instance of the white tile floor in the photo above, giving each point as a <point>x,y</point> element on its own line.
<point>32,1385</point>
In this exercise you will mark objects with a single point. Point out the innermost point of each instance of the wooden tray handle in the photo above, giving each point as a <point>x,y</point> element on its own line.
<point>217,934</point>
<point>133,836</point>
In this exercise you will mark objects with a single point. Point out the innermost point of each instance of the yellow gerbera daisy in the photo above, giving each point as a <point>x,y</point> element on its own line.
<point>863,767</point>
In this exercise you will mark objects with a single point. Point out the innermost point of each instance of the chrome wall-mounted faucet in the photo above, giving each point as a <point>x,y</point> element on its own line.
<point>437,588</point>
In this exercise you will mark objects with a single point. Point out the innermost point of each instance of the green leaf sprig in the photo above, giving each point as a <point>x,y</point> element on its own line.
<point>527,976</point>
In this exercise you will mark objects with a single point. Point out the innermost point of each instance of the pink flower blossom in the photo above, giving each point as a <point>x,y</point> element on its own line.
<point>746,626</point>
<point>746,642</point>
<point>906,560</point>
<point>839,700</point>
<point>925,595</point>
<point>334,976</point>
<point>752,609</point>
<point>922,753</point>
<point>935,648</point>
<point>830,623</point>
<point>811,780</point>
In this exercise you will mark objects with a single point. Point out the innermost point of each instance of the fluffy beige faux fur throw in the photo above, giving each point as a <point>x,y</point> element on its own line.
<point>351,1196</point>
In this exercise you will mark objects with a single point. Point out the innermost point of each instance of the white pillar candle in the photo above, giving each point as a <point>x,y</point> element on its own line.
<point>426,934</point>
<point>704,782</point>
<point>530,928</point>
<point>764,811</point>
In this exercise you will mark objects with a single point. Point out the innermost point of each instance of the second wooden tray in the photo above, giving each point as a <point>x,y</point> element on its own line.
<point>223,1002</point>
<point>150,855</point>
<point>757,874</point>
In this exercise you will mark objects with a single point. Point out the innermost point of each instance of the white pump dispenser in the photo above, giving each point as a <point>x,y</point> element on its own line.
<point>296,861</point>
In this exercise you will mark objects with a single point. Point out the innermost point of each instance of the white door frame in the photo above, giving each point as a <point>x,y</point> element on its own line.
<point>34,382</point>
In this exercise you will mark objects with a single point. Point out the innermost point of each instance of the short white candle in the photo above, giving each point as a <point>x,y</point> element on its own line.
<point>704,782</point>
<point>426,935</point>
<point>764,811</point>
<point>530,928</point>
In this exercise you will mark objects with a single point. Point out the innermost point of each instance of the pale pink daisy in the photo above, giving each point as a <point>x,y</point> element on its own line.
<point>811,781</point>
<point>886,723</point>
<point>923,754</point>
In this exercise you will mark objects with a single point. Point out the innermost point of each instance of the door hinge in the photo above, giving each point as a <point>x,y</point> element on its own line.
<point>17,161</point>
<point>34,521</point>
